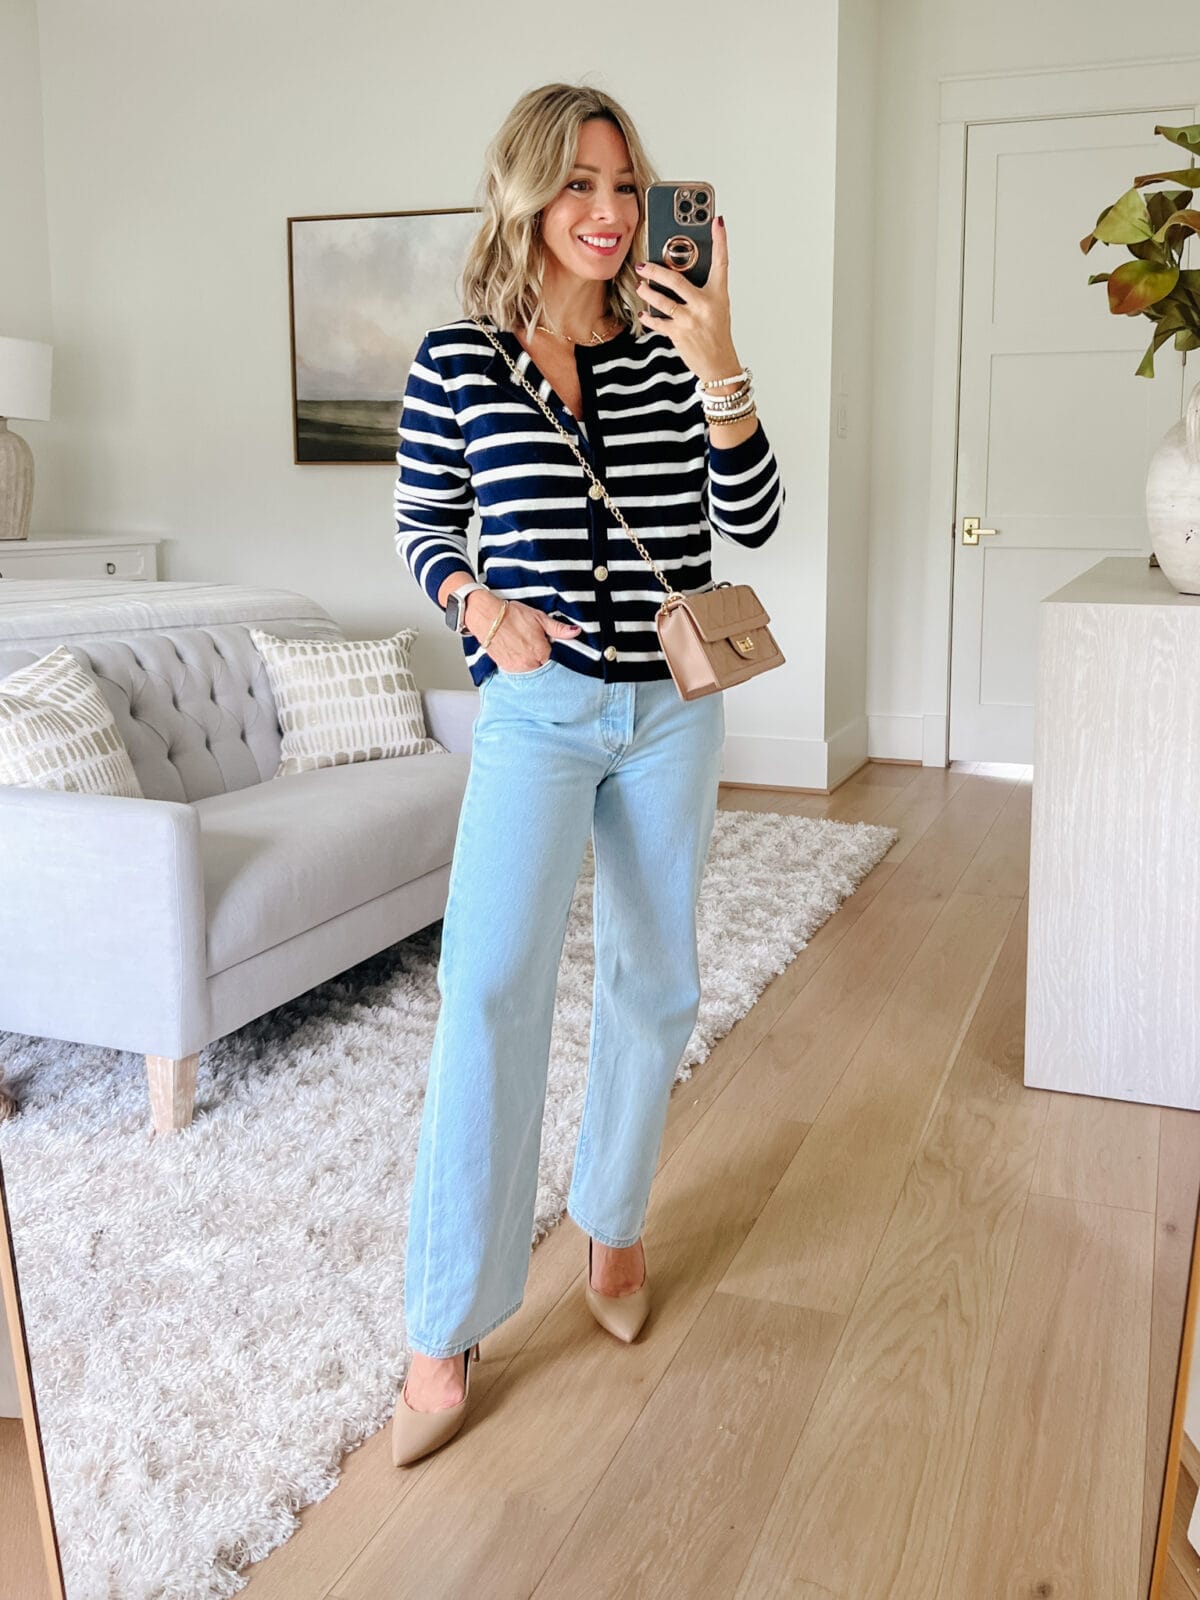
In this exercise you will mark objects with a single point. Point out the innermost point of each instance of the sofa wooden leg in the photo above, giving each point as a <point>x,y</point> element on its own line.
<point>172,1091</point>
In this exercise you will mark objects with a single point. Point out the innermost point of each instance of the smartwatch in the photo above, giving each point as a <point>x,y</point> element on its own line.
<point>456,606</point>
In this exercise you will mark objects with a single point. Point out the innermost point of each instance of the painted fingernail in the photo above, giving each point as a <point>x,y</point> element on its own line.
<point>639,265</point>
<point>721,220</point>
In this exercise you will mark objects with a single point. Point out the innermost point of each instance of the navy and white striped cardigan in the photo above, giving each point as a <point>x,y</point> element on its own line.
<point>471,435</point>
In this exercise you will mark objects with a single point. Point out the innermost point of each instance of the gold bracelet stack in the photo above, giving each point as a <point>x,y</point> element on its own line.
<point>730,407</point>
<point>499,618</point>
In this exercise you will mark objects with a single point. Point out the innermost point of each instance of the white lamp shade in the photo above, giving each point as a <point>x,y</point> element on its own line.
<point>25,379</point>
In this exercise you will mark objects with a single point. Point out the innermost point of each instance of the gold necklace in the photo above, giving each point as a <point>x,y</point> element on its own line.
<point>595,339</point>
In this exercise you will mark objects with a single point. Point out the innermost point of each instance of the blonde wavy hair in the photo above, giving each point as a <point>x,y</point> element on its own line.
<point>525,166</point>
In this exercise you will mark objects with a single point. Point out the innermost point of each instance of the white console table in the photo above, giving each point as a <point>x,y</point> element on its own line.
<point>1113,984</point>
<point>108,555</point>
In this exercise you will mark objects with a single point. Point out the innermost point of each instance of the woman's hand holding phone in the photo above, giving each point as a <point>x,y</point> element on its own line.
<point>699,327</point>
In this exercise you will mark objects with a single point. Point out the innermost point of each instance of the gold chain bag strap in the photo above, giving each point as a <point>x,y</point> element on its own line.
<point>711,640</point>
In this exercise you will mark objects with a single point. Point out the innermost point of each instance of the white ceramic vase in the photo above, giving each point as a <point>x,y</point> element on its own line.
<point>1173,500</point>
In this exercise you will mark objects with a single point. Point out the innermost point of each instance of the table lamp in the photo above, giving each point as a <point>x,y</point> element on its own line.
<point>24,395</point>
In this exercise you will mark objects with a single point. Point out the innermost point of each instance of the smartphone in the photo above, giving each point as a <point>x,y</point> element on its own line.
<point>679,219</point>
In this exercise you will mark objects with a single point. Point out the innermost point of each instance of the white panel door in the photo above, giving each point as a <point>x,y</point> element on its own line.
<point>1055,431</point>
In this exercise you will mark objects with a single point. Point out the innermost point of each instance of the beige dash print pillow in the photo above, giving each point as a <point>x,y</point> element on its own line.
<point>56,731</point>
<point>344,700</point>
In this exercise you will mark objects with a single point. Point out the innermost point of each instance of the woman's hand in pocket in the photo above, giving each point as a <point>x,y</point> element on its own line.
<point>522,641</point>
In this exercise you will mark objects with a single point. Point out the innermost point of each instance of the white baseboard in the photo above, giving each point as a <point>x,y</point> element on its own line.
<point>821,764</point>
<point>786,763</point>
<point>900,738</point>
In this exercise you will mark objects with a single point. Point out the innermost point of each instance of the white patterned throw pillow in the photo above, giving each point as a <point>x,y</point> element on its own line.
<point>56,731</point>
<point>344,700</point>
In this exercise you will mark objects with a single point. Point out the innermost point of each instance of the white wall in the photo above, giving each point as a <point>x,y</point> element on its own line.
<point>24,256</point>
<point>849,402</point>
<point>920,41</point>
<point>179,139</point>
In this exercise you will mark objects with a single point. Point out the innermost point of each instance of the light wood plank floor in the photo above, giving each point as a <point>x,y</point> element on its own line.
<point>915,1326</point>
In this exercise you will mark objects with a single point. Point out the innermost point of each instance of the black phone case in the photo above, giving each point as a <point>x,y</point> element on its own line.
<point>663,226</point>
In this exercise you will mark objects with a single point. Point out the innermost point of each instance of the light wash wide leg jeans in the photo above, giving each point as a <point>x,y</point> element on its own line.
<point>557,755</point>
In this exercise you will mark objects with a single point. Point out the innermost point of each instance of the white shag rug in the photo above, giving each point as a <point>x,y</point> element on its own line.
<point>216,1318</point>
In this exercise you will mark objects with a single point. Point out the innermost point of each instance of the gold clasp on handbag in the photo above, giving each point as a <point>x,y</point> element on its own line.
<point>744,646</point>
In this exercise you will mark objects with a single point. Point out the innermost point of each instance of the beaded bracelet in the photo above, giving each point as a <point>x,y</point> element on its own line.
<point>730,402</point>
<point>735,403</point>
<point>709,397</point>
<point>715,383</point>
<point>732,398</point>
<point>750,411</point>
<point>731,416</point>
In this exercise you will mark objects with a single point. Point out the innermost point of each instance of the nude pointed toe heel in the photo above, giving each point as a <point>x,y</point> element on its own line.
<point>621,1314</point>
<point>416,1433</point>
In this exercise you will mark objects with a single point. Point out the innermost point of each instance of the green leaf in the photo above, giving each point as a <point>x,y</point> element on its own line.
<point>1146,365</point>
<point>1165,202</point>
<point>1189,175</point>
<point>1167,314</point>
<point>1126,220</point>
<point>1185,221</point>
<point>1188,138</point>
<point>1138,284</point>
<point>1151,250</point>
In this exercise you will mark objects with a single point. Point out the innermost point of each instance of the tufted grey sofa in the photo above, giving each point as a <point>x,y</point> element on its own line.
<point>158,925</point>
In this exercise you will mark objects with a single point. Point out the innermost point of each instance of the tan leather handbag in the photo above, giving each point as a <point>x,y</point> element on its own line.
<point>711,640</point>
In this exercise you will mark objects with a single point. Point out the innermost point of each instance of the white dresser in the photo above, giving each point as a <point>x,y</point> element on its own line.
<point>1113,992</point>
<point>102,556</point>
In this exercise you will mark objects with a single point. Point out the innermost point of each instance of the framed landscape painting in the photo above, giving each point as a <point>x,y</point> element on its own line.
<point>363,290</point>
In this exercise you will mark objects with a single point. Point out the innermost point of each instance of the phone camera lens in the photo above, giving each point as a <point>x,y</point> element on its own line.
<point>699,215</point>
<point>684,207</point>
<point>701,197</point>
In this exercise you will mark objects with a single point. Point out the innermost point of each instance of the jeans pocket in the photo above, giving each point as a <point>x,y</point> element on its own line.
<point>533,672</point>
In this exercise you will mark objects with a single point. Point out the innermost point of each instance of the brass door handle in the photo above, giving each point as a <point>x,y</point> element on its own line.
<point>971,530</point>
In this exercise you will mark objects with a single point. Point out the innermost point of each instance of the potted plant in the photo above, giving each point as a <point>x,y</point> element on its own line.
<point>1155,227</point>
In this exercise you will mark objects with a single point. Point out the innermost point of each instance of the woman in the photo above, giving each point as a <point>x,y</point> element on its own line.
<point>580,730</point>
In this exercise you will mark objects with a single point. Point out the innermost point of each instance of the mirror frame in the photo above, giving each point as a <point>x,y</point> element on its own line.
<point>29,1415</point>
<point>1166,1509</point>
